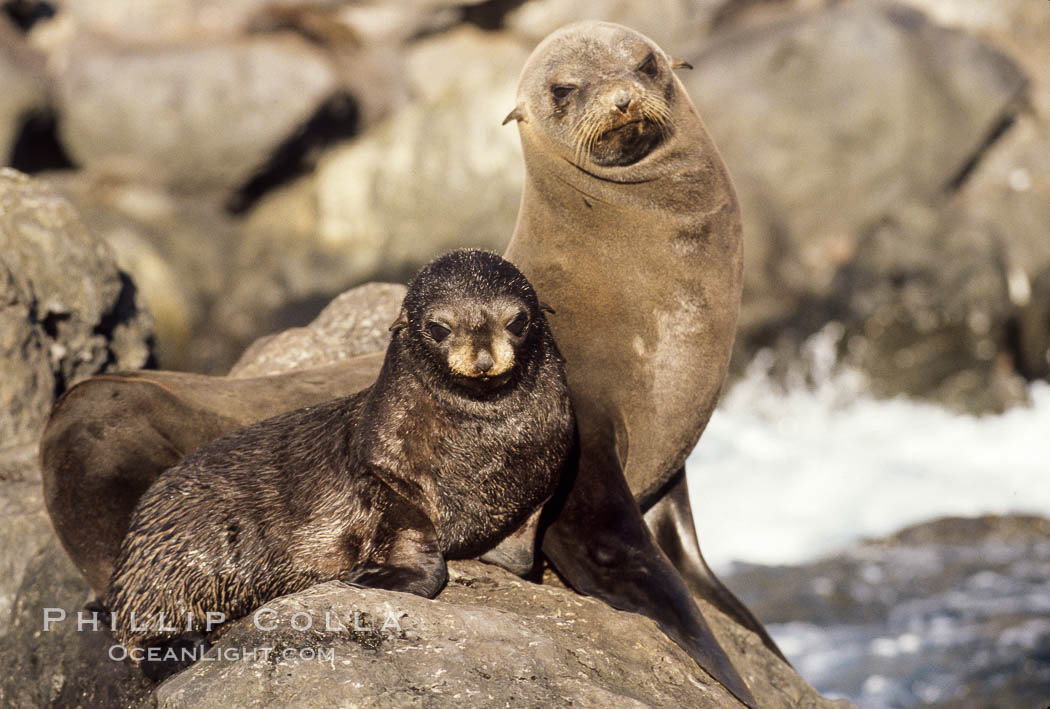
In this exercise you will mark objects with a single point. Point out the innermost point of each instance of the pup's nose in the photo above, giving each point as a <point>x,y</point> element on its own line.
<point>622,99</point>
<point>484,361</point>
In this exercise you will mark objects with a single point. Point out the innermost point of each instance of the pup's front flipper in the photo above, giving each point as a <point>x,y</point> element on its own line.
<point>408,556</point>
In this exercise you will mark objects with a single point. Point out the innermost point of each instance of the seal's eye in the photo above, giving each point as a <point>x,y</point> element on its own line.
<point>561,92</point>
<point>648,66</point>
<point>517,325</point>
<point>437,331</point>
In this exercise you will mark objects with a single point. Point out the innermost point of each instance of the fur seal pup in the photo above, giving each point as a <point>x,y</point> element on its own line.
<point>463,436</point>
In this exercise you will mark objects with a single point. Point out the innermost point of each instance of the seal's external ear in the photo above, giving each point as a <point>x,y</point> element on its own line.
<point>515,115</point>
<point>546,308</point>
<point>680,64</point>
<point>401,322</point>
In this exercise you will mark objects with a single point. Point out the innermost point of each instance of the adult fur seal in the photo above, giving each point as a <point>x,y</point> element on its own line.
<point>463,436</point>
<point>630,228</point>
<point>642,261</point>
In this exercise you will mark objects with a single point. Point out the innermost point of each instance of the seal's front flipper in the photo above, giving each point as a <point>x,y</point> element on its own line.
<point>408,557</point>
<point>517,553</point>
<point>671,521</point>
<point>599,543</point>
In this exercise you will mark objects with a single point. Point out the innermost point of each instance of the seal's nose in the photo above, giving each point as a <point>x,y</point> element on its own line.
<point>484,361</point>
<point>622,99</point>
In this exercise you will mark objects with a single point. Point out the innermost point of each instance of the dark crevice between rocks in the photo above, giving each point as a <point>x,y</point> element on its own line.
<point>123,311</point>
<point>25,13</point>
<point>963,173</point>
<point>337,119</point>
<point>490,15</point>
<point>36,147</point>
<point>51,324</point>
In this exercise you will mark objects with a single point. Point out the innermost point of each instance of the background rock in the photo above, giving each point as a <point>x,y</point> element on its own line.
<point>204,115</point>
<point>841,125</point>
<point>355,323</point>
<point>25,83</point>
<point>67,311</point>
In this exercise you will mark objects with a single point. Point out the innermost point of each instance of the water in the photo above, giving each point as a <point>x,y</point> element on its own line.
<point>783,477</point>
<point>786,483</point>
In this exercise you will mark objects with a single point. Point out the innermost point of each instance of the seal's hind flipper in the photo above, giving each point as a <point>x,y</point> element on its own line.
<point>671,521</point>
<point>620,563</point>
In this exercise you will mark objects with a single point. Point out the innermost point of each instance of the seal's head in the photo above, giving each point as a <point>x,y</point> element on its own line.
<point>603,93</point>
<point>473,318</point>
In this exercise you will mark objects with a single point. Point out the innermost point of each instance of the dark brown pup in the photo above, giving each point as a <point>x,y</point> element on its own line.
<point>461,439</point>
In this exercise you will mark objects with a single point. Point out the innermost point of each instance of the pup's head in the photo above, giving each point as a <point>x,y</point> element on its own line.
<point>473,317</point>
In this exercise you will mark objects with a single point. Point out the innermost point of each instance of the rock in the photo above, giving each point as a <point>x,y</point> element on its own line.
<point>440,174</point>
<point>205,115</point>
<point>24,530</point>
<point>354,323</point>
<point>841,124</point>
<point>61,667</point>
<point>490,639</point>
<point>25,86</point>
<point>679,28</point>
<point>178,250</point>
<point>848,113</point>
<point>949,613</point>
<point>149,21</point>
<point>67,311</point>
<point>925,304</point>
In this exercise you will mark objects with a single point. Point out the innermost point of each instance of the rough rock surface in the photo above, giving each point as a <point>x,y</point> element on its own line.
<point>60,667</point>
<point>840,125</point>
<point>24,530</point>
<point>438,175</point>
<point>355,323</point>
<point>490,640</point>
<point>66,311</point>
<point>947,614</point>
<point>205,115</point>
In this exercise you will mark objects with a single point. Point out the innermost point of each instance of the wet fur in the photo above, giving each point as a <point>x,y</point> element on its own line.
<point>377,488</point>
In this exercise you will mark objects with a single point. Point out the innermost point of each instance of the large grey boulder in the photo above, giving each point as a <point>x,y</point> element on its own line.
<point>439,174</point>
<point>66,311</point>
<point>489,640</point>
<point>843,126</point>
<point>204,114</point>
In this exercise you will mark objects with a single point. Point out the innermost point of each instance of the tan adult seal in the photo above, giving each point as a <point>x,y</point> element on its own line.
<point>629,227</point>
<point>630,230</point>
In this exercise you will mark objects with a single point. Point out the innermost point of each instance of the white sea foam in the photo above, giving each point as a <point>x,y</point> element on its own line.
<point>785,477</point>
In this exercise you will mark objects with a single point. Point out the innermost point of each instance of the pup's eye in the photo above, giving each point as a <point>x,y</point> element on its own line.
<point>517,325</point>
<point>648,66</point>
<point>437,331</point>
<point>561,92</point>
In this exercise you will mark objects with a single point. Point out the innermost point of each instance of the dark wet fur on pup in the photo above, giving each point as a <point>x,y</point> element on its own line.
<point>377,488</point>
